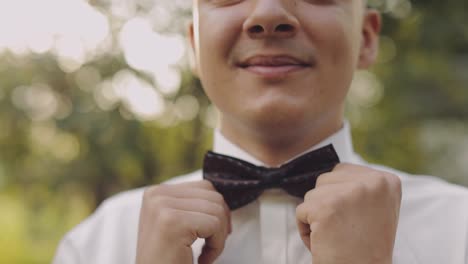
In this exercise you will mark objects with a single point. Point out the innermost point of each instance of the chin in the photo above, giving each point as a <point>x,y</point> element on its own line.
<point>274,120</point>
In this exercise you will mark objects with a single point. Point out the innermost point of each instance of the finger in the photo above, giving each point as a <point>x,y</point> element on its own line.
<point>199,206</point>
<point>202,226</point>
<point>345,172</point>
<point>307,220</point>
<point>202,184</point>
<point>215,239</point>
<point>371,179</point>
<point>185,191</point>
<point>188,191</point>
<point>207,185</point>
<point>212,249</point>
<point>316,195</point>
<point>191,205</point>
<point>199,189</point>
<point>302,214</point>
<point>303,225</point>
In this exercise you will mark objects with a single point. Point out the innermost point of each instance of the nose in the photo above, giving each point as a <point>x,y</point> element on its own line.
<point>271,19</point>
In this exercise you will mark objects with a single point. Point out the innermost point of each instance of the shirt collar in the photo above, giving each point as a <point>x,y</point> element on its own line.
<point>341,141</point>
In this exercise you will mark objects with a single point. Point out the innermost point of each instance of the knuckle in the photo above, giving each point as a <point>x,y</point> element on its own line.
<point>322,179</point>
<point>207,184</point>
<point>386,184</point>
<point>216,224</point>
<point>146,196</point>
<point>166,217</point>
<point>300,210</point>
<point>149,192</point>
<point>315,207</point>
<point>307,212</point>
<point>381,181</point>
<point>335,203</point>
<point>395,185</point>
<point>359,189</point>
<point>149,196</point>
<point>219,210</point>
<point>159,202</point>
<point>395,181</point>
<point>309,195</point>
<point>386,181</point>
<point>314,236</point>
<point>329,210</point>
<point>218,198</point>
<point>342,165</point>
<point>154,190</point>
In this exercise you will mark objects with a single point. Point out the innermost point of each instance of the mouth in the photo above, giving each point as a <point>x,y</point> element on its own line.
<point>273,67</point>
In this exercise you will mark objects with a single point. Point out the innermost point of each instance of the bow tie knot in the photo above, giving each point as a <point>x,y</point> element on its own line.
<point>241,182</point>
<point>272,178</point>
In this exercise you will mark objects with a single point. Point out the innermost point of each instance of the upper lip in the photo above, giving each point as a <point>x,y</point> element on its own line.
<point>273,60</point>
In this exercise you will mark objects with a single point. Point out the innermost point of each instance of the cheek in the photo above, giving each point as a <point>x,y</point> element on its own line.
<point>333,33</point>
<point>337,55</point>
<point>219,30</point>
<point>341,48</point>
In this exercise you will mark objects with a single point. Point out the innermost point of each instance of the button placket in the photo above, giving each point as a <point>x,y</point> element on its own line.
<point>273,224</point>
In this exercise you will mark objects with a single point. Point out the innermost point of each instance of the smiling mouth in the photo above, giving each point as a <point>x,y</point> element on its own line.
<point>273,67</point>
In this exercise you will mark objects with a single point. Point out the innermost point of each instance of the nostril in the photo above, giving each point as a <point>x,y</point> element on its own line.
<point>284,28</point>
<point>256,29</point>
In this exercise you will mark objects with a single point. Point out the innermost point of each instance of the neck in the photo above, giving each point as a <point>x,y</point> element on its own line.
<point>275,145</point>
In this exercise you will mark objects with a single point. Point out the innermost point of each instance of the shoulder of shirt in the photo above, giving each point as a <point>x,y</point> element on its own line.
<point>119,212</point>
<point>431,203</point>
<point>419,184</point>
<point>428,197</point>
<point>131,199</point>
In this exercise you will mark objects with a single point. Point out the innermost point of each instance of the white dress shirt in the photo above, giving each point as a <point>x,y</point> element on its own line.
<point>432,229</point>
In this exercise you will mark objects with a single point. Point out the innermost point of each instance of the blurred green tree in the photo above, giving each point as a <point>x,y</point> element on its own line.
<point>68,139</point>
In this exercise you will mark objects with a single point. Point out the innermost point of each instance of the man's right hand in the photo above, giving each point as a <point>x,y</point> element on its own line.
<point>172,217</point>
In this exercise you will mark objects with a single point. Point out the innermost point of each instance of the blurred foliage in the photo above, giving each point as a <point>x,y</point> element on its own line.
<point>56,167</point>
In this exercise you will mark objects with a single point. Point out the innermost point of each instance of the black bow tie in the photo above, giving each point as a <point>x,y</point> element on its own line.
<point>241,182</point>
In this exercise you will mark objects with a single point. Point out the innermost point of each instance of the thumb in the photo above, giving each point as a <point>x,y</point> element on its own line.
<point>304,232</point>
<point>211,250</point>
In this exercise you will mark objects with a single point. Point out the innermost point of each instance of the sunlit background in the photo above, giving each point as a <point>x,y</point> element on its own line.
<point>97,97</point>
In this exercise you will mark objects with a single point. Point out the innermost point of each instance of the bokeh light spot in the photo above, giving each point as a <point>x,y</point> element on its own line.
<point>366,90</point>
<point>140,97</point>
<point>187,107</point>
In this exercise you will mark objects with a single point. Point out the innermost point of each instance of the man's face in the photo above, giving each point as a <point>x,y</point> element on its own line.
<point>281,63</point>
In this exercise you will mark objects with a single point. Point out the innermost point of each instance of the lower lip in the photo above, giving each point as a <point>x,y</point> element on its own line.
<point>274,72</point>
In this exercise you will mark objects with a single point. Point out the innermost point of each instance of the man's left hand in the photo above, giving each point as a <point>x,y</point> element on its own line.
<point>351,216</point>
